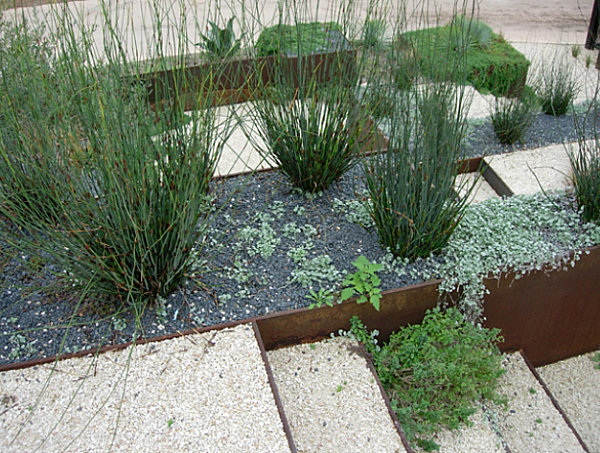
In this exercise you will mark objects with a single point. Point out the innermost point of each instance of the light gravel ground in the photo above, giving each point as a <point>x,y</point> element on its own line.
<point>331,399</point>
<point>199,393</point>
<point>532,423</point>
<point>482,190</point>
<point>241,151</point>
<point>576,386</point>
<point>478,438</point>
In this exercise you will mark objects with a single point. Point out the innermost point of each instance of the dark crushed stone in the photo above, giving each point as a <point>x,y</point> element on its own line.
<point>42,319</point>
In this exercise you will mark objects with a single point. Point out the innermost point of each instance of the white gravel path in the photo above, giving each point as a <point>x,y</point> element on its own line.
<point>478,438</point>
<point>575,384</point>
<point>200,393</point>
<point>331,399</point>
<point>532,423</point>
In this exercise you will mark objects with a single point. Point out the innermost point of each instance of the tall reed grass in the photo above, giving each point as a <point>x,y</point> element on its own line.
<point>585,163</point>
<point>88,180</point>
<point>413,200</point>
<point>310,116</point>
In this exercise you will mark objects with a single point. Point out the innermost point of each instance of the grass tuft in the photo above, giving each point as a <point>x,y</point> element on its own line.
<point>556,86</point>
<point>511,118</point>
<point>413,203</point>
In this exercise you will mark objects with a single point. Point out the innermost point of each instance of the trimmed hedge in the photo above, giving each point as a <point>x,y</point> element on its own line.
<point>301,39</point>
<point>491,64</point>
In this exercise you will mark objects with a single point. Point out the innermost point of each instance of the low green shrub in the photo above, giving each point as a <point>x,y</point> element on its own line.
<point>511,118</point>
<point>491,65</point>
<point>437,372</point>
<point>556,85</point>
<point>300,39</point>
<point>413,203</point>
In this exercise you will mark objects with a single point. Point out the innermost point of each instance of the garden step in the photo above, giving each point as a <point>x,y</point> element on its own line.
<point>478,438</point>
<point>532,423</point>
<point>533,170</point>
<point>206,392</point>
<point>331,399</point>
<point>482,190</point>
<point>575,385</point>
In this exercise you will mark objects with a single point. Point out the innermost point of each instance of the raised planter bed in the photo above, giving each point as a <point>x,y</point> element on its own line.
<point>550,316</point>
<point>242,79</point>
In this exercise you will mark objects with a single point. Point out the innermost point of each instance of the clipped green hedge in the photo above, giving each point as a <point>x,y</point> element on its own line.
<point>491,64</point>
<point>300,39</point>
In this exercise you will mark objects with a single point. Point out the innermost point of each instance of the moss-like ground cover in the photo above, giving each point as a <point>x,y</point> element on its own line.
<point>491,65</point>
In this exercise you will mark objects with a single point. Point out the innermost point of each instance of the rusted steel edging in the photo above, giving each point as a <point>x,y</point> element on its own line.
<point>554,401</point>
<point>398,307</point>
<point>496,182</point>
<point>274,390</point>
<point>549,315</point>
<point>386,400</point>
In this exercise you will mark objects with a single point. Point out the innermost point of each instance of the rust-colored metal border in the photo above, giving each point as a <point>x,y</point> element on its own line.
<point>550,315</point>
<point>554,401</point>
<point>273,384</point>
<point>386,399</point>
<point>496,182</point>
<point>398,307</point>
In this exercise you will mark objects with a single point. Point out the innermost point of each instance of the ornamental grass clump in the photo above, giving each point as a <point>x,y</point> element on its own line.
<point>556,85</point>
<point>36,123</point>
<point>585,166</point>
<point>437,373</point>
<point>310,117</point>
<point>511,118</point>
<point>413,201</point>
<point>315,134</point>
<point>127,213</point>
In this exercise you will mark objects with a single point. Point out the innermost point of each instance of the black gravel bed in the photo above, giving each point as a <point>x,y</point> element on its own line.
<point>544,130</point>
<point>245,268</point>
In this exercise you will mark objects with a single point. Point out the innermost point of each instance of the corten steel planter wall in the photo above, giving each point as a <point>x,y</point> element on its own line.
<point>398,307</point>
<point>235,80</point>
<point>243,79</point>
<point>551,316</point>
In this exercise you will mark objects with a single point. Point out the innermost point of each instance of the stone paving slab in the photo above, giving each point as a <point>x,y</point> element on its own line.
<point>575,384</point>
<point>530,171</point>
<point>331,400</point>
<point>200,393</point>
<point>532,423</point>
